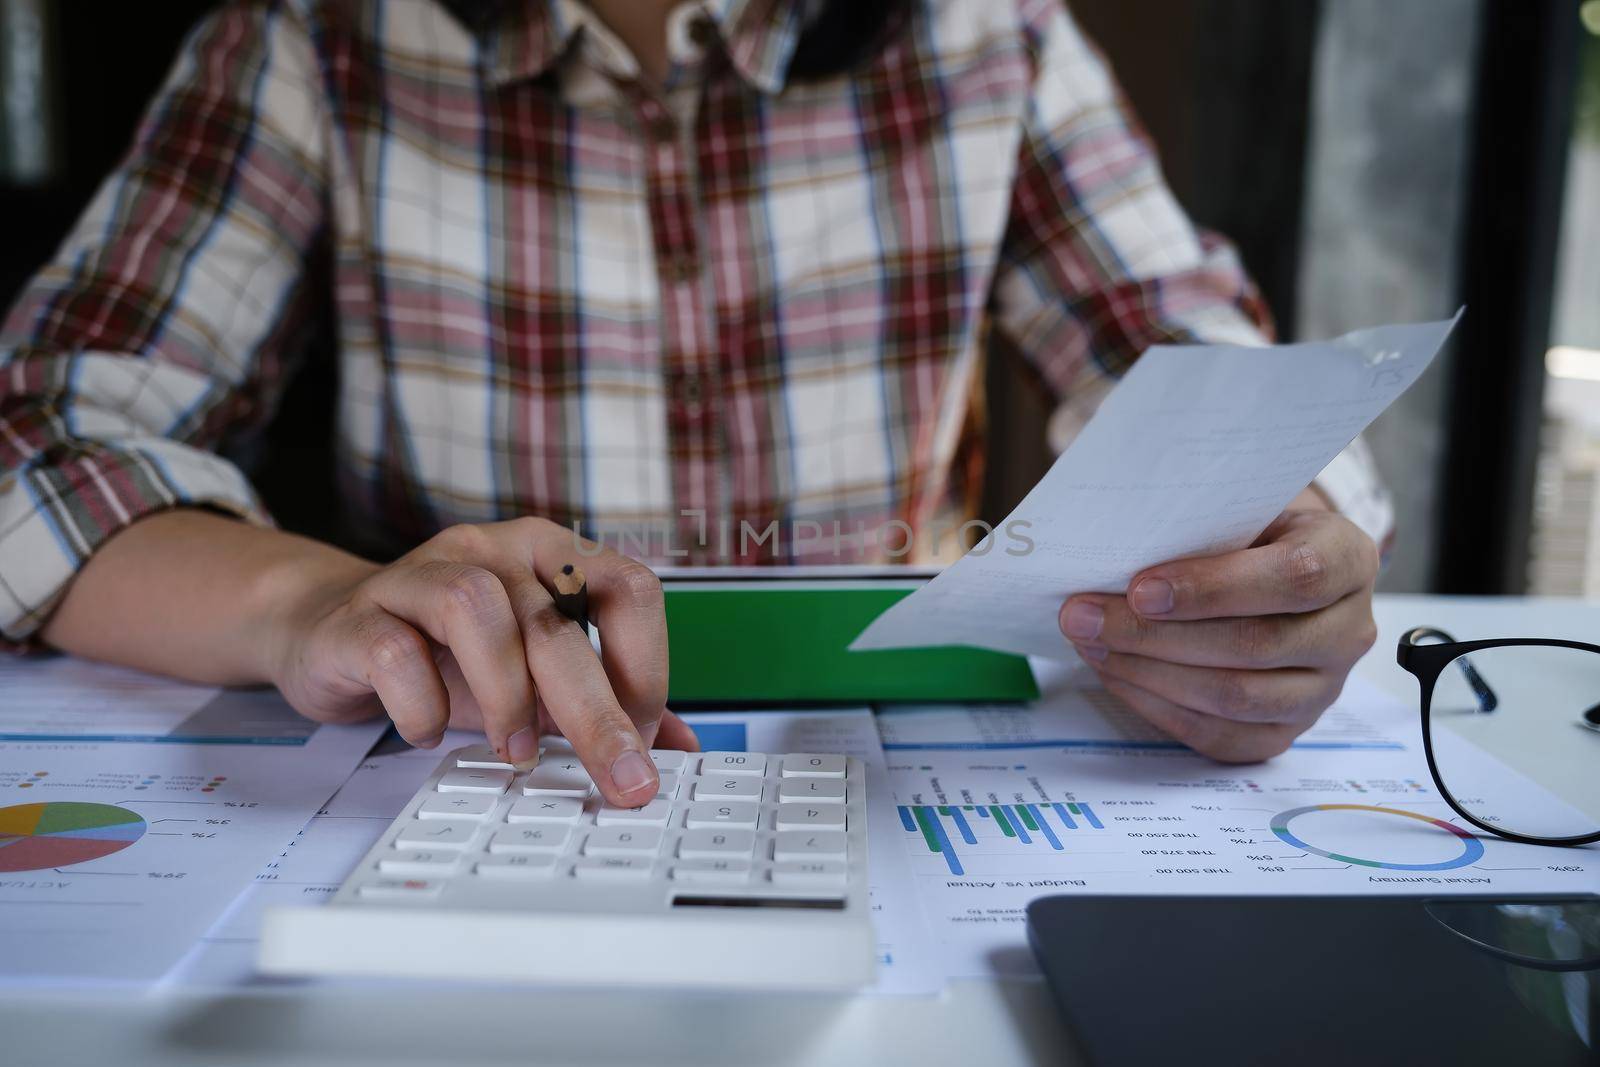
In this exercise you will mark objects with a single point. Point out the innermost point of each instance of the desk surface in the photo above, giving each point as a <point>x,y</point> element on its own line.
<point>974,1022</point>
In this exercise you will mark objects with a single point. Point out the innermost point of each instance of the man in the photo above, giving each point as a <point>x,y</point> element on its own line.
<point>616,263</point>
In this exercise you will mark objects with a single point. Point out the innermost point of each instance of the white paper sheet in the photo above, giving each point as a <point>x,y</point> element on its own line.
<point>133,811</point>
<point>311,867</point>
<point>1194,452</point>
<point>1048,803</point>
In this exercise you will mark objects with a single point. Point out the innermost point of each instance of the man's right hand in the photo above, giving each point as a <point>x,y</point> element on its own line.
<point>463,632</point>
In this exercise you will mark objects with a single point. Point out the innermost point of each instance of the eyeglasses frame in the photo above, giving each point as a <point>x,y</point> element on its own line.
<point>1426,662</point>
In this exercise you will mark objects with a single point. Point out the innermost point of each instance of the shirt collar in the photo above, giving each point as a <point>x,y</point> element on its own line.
<point>522,39</point>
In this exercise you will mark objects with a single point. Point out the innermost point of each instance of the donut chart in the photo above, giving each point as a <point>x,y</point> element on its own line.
<point>1471,847</point>
<point>35,837</point>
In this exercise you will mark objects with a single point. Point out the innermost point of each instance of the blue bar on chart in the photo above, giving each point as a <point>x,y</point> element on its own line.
<point>1024,824</point>
<point>1089,816</point>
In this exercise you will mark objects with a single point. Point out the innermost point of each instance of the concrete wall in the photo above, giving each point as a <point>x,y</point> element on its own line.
<point>1385,194</point>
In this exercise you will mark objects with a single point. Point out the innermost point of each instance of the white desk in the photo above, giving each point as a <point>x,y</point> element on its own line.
<point>976,1023</point>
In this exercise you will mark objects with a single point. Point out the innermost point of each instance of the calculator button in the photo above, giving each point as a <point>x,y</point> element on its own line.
<point>733,763</point>
<point>622,841</point>
<point>654,813</point>
<point>524,867</point>
<point>811,791</point>
<point>808,845</point>
<point>520,840</point>
<point>468,780</point>
<point>811,765</point>
<point>545,809</point>
<point>716,844</point>
<point>811,817</point>
<point>457,806</point>
<point>728,787</point>
<point>712,872</point>
<point>400,889</point>
<point>556,745</point>
<point>420,864</point>
<point>669,785</point>
<point>613,868</point>
<point>429,834</point>
<point>707,816</point>
<point>482,758</point>
<point>562,776</point>
<point>814,874</point>
<point>668,761</point>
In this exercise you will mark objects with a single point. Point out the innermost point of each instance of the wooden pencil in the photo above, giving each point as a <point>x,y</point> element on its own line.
<point>572,595</point>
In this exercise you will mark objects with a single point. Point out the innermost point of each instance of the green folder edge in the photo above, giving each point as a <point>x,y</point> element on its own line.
<point>732,644</point>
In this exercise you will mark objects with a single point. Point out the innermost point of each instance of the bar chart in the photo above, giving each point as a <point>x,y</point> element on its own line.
<point>1022,824</point>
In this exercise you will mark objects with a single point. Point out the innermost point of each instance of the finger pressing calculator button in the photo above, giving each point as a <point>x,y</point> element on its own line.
<point>524,867</point>
<point>654,813</point>
<point>562,776</point>
<point>420,864</point>
<point>811,817</point>
<point>728,787</point>
<point>811,791</point>
<point>457,806</point>
<point>400,889</point>
<point>613,868</point>
<point>426,834</point>
<point>808,845</point>
<point>622,841</point>
<point>815,874</point>
<point>514,840</point>
<point>707,816</point>
<point>716,844</point>
<point>718,763</point>
<point>667,760</point>
<point>813,765</point>
<point>469,780</point>
<point>669,785</point>
<point>713,872</point>
<point>545,809</point>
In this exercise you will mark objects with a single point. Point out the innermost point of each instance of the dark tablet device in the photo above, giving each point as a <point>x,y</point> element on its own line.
<point>1307,981</point>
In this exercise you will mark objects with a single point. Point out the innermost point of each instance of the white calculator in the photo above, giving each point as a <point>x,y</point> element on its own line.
<point>746,871</point>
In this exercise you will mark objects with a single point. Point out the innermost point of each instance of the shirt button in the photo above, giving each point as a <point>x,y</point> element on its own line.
<point>702,31</point>
<point>662,128</point>
<point>693,391</point>
<point>681,268</point>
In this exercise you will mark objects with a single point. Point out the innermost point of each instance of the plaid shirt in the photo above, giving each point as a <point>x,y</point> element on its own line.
<point>737,299</point>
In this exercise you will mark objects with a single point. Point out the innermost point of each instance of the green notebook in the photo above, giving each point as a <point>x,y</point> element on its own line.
<point>746,642</point>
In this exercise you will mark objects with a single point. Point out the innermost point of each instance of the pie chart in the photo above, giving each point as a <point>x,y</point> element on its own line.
<point>35,837</point>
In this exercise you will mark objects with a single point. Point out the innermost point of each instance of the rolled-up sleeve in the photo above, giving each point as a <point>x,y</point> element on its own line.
<point>161,328</point>
<point>1099,261</point>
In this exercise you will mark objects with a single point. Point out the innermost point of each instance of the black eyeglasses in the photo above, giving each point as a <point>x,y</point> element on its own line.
<point>1511,729</point>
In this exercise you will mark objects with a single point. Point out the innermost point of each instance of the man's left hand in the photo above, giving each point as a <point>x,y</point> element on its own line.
<point>1237,655</point>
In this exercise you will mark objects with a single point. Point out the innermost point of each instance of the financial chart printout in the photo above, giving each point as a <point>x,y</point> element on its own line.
<point>134,810</point>
<point>1070,797</point>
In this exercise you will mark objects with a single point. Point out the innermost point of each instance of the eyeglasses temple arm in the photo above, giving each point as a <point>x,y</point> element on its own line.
<point>1487,700</point>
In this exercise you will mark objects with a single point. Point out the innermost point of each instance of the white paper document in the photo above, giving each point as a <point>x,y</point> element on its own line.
<point>1193,453</point>
<point>133,811</point>
<point>997,812</point>
<point>309,867</point>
